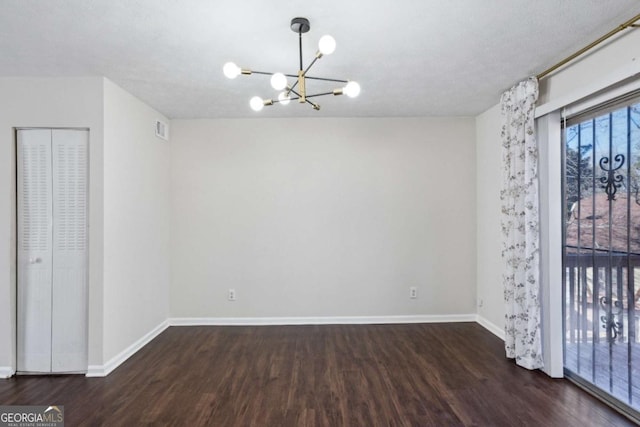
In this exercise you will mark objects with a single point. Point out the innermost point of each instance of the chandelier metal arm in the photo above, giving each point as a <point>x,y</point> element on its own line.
<point>326,80</point>
<point>333,92</point>
<point>295,93</point>
<point>310,65</point>
<point>290,99</point>
<point>299,96</point>
<point>259,72</point>
<point>266,73</point>
<point>290,89</point>
<point>295,76</point>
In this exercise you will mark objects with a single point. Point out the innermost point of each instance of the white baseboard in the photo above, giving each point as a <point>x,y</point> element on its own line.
<point>107,368</point>
<point>345,320</point>
<point>6,372</point>
<point>491,327</point>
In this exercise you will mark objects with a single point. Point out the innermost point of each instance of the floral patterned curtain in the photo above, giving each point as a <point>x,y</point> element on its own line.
<point>519,220</point>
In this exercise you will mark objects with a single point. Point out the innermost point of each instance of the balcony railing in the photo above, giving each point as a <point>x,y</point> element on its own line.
<point>602,312</point>
<point>602,289</point>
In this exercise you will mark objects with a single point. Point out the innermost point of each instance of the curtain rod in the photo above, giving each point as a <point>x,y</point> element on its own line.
<point>621,27</point>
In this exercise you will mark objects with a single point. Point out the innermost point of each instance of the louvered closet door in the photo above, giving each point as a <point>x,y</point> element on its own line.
<point>52,274</point>
<point>69,290</point>
<point>34,250</point>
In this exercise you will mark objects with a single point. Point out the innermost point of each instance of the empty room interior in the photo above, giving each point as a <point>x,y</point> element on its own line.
<point>411,213</point>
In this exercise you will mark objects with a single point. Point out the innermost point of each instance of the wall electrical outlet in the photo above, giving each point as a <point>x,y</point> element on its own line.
<point>480,303</point>
<point>231,296</point>
<point>413,292</point>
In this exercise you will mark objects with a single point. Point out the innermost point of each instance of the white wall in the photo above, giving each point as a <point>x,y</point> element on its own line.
<point>322,217</point>
<point>488,184</point>
<point>128,212</point>
<point>49,102</point>
<point>136,221</point>
<point>618,57</point>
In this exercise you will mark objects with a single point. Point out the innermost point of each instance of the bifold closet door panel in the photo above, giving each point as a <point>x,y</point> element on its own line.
<point>34,257</point>
<point>70,230</point>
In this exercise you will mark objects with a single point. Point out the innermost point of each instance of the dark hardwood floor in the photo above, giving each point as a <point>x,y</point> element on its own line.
<point>343,375</point>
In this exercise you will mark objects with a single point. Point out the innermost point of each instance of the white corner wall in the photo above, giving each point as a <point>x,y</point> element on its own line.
<point>48,102</point>
<point>488,243</point>
<point>314,218</point>
<point>136,224</point>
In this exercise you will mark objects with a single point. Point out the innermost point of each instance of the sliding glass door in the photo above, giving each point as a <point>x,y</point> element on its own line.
<point>602,251</point>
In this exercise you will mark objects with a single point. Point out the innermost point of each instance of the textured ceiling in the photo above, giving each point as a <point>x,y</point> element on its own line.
<point>411,57</point>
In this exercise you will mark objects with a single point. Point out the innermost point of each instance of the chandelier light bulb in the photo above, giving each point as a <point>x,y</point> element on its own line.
<point>327,45</point>
<point>283,98</point>
<point>256,103</point>
<point>231,70</point>
<point>278,81</point>
<point>352,89</point>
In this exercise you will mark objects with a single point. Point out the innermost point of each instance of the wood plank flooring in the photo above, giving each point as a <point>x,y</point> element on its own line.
<point>332,375</point>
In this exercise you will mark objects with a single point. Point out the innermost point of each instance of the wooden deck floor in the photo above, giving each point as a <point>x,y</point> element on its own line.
<point>346,375</point>
<point>613,368</point>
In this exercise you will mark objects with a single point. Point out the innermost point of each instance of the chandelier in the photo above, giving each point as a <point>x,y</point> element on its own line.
<point>298,89</point>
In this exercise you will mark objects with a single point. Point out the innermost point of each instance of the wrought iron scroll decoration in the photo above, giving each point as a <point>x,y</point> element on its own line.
<point>611,182</point>
<point>608,320</point>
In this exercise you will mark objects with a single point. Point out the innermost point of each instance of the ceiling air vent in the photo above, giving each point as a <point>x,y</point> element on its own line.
<point>162,130</point>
